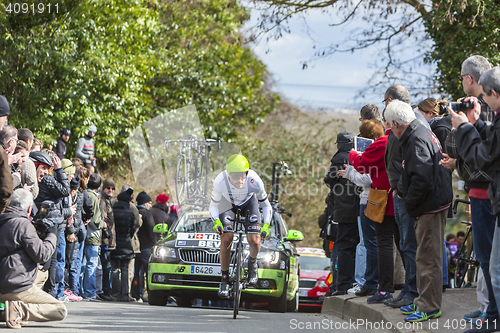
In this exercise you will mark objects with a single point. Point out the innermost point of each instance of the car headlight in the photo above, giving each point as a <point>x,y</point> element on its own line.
<point>322,284</point>
<point>165,252</point>
<point>270,257</point>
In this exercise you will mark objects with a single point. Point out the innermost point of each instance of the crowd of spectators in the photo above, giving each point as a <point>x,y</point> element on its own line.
<point>403,193</point>
<point>65,235</point>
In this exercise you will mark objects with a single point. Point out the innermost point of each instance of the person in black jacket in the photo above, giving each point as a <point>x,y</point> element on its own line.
<point>160,210</point>
<point>344,210</point>
<point>53,188</point>
<point>60,148</point>
<point>21,252</point>
<point>479,145</point>
<point>147,238</point>
<point>124,221</point>
<point>424,188</point>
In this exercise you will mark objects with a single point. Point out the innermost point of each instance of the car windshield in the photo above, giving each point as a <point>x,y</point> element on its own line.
<point>314,262</point>
<point>200,222</point>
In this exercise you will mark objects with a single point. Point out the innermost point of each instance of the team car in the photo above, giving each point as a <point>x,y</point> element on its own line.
<point>315,267</point>
<point>185,264</point>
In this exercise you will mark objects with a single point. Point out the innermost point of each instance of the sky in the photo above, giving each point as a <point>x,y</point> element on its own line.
<point>331,83</point>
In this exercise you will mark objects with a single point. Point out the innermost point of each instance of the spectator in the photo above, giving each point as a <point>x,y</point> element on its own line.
<point>108,243</point>
<point>16,168</point>
<point>147,239</point>
<point>52,188</point>
<point>83,214</point>
<point>77,162</point>
<point>60,148</point>
<point>370,111</point>
<point>406,225</point>
<point>85,147</point>
<point>37,145</point>
<point>477,144</point>
<point>20,253</point>
<point>425,191</point>
<point>434,111</point>
<point>160,210</point>
<point>344,211</point>
<point>123,251</point>
<point>28,172</point>
<point>6,184</point>
<point>174,212</point>
<point>93,240</point>
<point>372,162</point>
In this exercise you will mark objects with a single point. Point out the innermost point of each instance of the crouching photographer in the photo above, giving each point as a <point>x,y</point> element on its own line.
<point>21,252</point>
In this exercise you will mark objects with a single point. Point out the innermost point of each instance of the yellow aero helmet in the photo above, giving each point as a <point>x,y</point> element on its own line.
<point>237,163</point>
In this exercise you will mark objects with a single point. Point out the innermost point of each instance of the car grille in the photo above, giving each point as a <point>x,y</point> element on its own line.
<point>199,256</point>
<point>308,284</point>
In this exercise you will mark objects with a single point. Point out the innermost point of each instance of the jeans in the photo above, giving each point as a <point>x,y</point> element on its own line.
<point>333,260</point>
<point>61,263</point>
<point>106,270</point>
<point>445,265</point>
<point>141,267</point>
<point>91,253</point>
<point>119,276</point>
<point>483,228</point>
<point>76,266</point>
<point>347,240</point>
<point>360,269</point>
<point>408,245</point>
<point>370,240</point>
<point>495,261</point>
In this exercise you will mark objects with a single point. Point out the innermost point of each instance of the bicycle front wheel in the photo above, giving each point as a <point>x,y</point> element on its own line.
<point>181,179</point>
<point>238,275</point>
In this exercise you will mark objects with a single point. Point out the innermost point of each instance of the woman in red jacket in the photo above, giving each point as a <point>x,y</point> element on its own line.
<point>372,162</point>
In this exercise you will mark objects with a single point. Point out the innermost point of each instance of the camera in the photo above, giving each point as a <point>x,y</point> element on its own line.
<point>48,216</point>
<point>461,106</point>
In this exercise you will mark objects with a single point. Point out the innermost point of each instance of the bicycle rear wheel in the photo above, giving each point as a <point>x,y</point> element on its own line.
<point>238,275</point>
<point>181,181</point>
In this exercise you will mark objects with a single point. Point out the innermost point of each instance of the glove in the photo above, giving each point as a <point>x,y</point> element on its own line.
<point>53,229</point>
<point>264,232</point>
<point>218,227</point>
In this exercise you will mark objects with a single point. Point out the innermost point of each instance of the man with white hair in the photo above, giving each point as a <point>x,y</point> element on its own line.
<point>427,197</point>
<point>478,144</point>
<point>21,252</point>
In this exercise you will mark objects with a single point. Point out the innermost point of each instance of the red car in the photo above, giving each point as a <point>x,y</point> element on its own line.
<point>314,270</point>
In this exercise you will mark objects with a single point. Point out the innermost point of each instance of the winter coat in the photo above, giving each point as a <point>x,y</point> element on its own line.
<point>107,217</point>
<point>425,185</point>
<point>95,226</point>
<point>147,237</point>
<point>60,148</point>
<point>479,146</point>
<point>21,251</point>
<point>6,185</point>
<point>344,206</point>
<point>85,149</point>
<point>138,223</point>
<point>160,214</point>
<point>83,211</point>
<point>124,221</point>
<point>442,128</point>
<point>54,188</point>
<point>372,162</point>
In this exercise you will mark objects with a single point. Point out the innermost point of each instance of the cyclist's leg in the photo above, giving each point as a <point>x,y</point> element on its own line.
<point>227,219</point>
<point>253,236</point>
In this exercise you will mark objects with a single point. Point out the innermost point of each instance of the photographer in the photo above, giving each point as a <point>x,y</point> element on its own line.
<point>52,188</point>
<point>20,253</point>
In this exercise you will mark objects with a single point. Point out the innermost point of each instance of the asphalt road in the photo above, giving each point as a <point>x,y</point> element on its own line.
<point>141,317</point>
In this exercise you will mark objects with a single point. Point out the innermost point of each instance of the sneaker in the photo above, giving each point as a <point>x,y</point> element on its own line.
<point>253,273</point>
<point>479,320</point>
<point>487,325</point>
<point>72,297</point>
<point>12,315</point>
<point>422,316</point>
<point>379,298</point>
<point>354,289</point>
<point>92,299</point>
<point>63,299</point>
<point>365,292</point>
<point>224,290</point>
<point>399,303</point>
<point>408,309</point>
<point>472,315</point>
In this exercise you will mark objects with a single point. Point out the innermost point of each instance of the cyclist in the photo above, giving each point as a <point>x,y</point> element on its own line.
<point>239,187</point>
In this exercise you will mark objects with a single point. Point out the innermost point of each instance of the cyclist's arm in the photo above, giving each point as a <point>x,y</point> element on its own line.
<point>214,203</point>
<point>266,210</point>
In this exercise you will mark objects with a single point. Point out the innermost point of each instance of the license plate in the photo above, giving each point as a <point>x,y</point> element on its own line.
<point>205,270</point>
<point>303,293</point>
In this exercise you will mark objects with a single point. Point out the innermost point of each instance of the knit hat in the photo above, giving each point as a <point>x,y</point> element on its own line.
<point>108,182</point>
<point>68,166</point>
<point>74,184</point>
<point>4,106</point>
<point>125,195</point>
<point>142,198</point>
<point>94,181</point>
<point>162,198</point>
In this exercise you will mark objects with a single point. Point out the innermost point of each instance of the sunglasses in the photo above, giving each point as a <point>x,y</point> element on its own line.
<point>461,76</point>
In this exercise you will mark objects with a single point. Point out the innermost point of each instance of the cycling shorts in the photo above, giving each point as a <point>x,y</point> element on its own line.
<point>252,206</point>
